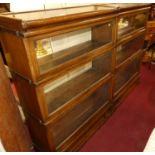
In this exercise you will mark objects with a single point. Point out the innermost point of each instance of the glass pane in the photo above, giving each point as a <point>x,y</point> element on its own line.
<point>123,75</point>
<point>56,50</point>
<point>126,50</point>
<point>48,13</point>
<point>130,23</point>
<point>80,113</point>
<point>140,20</point>
<point>74,82</point>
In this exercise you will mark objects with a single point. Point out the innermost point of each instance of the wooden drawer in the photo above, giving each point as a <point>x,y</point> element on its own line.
<point>151,30</point>
<point>150,24</point>
<point>151,27</point>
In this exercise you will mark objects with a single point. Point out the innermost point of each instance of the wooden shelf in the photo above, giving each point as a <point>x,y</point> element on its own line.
<point>69,90</point>
<point>125,31</point>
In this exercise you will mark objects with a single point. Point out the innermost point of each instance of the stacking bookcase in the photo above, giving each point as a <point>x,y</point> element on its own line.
<point>72,66</point>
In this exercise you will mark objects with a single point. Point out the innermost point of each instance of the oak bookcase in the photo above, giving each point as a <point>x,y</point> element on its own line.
<point>72,67</point>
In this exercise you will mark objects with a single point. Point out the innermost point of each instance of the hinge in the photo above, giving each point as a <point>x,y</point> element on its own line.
<point>17,33</point>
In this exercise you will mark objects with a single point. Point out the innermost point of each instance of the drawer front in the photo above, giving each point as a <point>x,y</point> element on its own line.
<point>150,24</point>
<point>125,73</point>
<point>131,22</point>
<point>66,88</point>
<point>126,50</point>
<point>74,118</point>
<point>151,30</point>
<point>55,50</point>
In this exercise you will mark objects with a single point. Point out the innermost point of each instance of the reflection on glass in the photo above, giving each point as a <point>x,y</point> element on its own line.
<point>43,47</point>
<point>123,23</point>
<point>128,49</point>
<point>125,74</point>
<point>70,39</point>
<point>80,113</point>
<point>69,76</point>
<point>128,24</point>
<point>140,20</point>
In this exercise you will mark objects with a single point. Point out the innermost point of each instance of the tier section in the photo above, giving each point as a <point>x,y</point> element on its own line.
<point>57,50</point>
<point>73,119</point>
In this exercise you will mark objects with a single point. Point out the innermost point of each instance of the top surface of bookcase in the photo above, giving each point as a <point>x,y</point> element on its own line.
<point>32,19</point>
<point>59,12</point>
<point>49,13</point>
<point>126,6</point>
<point>21,21</point>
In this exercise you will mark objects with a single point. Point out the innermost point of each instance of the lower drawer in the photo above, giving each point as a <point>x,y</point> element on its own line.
<point>151,30</point>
